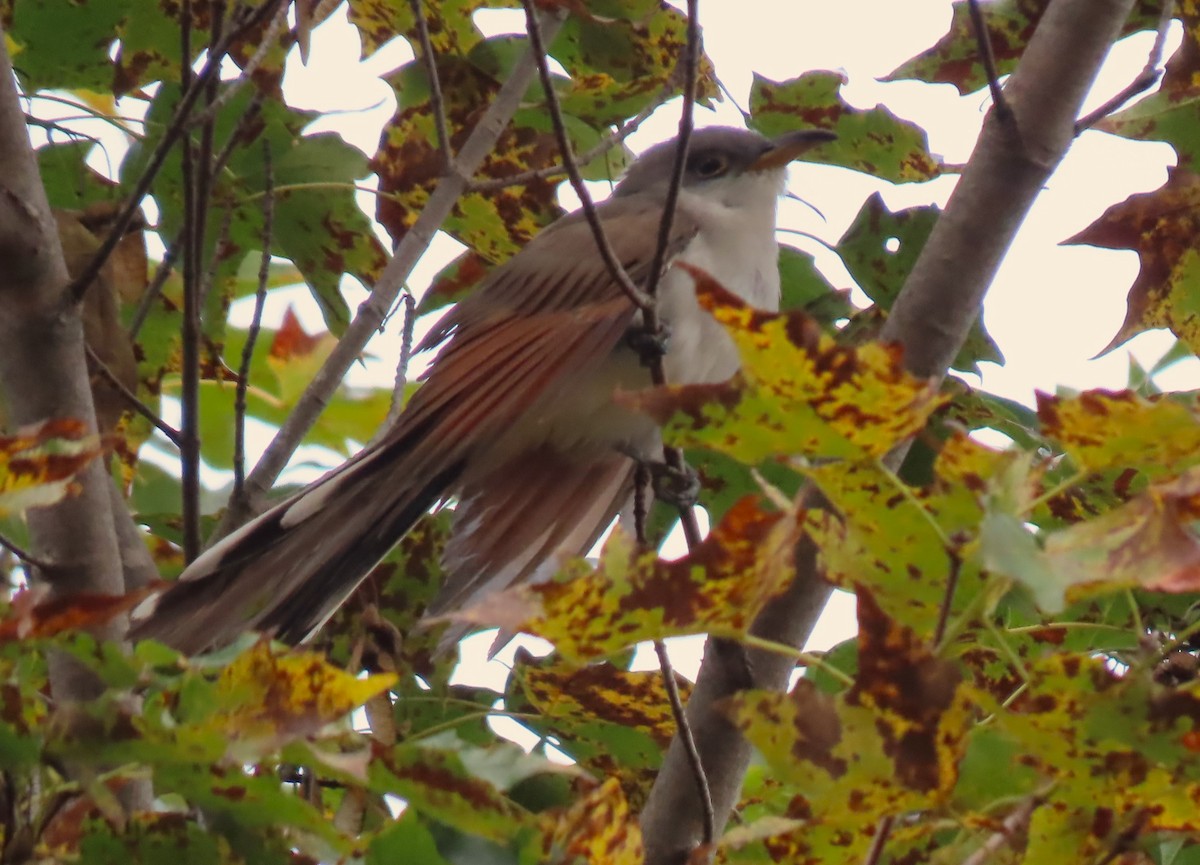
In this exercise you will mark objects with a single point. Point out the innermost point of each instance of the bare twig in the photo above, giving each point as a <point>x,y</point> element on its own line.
<point>189,390</point>
<point>401,380</point>
<point>673,457</point>
<point>167,265</point>
<point>1146,79</point>
<point>132,398</point>
<point>215,105</point>
<point>984,40</point>
<point>1014,825</point>
<point>611,140</point>
<point>883,829</point>
<point>24,556</point>
<point>436,100</point>
<point>939,633</point>
<point>683,731</point>
<point>179,121</point>
<point>373,311</point>
<point>154,289</point>
<point>639,298</point>
<point>260,299</point>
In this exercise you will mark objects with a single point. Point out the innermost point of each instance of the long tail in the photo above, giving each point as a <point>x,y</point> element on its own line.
<point>287,571</point>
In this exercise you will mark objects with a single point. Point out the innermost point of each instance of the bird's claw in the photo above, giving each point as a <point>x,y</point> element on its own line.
<point>679,486</point>
<point>650,346</point>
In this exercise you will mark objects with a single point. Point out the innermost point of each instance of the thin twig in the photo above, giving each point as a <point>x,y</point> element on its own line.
<point>260,299</point>
<point>984,39</point>
<point>1016,822</point>
<point>167,265</point>
<point>1146,79</point>
<point>208,275</point>
<point>684,732</point>
<point>948,597</point>
<point>23,555</point>
<point>406,349</point>
<point>607,143</point>
<point>882,830</point>
<point>673,457</point>
<point>189,391</point>
<point>639,298</point>
<point>436,101</point>
<point>247,73</point>
<point>130,397</point>
<point>154,289</point>
<point>179,120</point>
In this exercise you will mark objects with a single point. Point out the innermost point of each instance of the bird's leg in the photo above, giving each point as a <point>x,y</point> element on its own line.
<point>675,486</point>
<point>650,347</point>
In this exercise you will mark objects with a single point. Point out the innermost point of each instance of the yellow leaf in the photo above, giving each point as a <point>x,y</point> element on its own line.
<point>268,698</point>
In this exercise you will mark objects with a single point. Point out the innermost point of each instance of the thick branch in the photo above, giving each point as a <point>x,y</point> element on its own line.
<point>931,318</point>
<point>43,373</point>
<point>373,311</point>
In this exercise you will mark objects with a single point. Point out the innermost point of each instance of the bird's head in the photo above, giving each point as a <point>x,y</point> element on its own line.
<point>730,164</point>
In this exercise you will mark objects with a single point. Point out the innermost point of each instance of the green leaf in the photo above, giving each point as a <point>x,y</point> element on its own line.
<point>874,141</point>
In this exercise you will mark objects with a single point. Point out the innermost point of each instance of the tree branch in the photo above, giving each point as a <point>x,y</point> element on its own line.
<point>43,374</point>
<point>373,311</point>
<point>940,301</point>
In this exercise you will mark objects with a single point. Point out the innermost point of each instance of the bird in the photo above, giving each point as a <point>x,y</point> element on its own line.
<point>515,420</point>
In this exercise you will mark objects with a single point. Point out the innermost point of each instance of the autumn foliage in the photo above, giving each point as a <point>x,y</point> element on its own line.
<point>1023,684</point>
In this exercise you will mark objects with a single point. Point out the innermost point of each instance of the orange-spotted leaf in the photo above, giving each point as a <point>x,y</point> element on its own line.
<point>32,615</point>
<point>633,596</point>
<point>1163,228</point>
<point>271,696</point>
<point>1104,430</point>
<point>799,392</point>
<point>596,830</point>
<point>891,743</point>
<point>39,463</point>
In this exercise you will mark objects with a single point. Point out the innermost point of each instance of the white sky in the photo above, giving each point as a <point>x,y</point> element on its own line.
<point>1051,308</point>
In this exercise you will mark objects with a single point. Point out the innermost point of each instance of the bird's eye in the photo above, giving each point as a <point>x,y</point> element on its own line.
<point>709,165</point>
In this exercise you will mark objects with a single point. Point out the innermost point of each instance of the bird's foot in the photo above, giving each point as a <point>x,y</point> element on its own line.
<point>675,486</point>
<point>650,347</point>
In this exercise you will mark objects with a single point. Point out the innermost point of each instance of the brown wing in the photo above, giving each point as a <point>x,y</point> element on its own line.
<point>548,313</point>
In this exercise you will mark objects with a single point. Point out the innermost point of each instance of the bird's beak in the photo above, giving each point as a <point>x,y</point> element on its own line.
<point>787,147</point>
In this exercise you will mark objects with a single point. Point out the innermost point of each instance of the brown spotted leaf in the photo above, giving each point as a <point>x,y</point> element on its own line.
<point>1111,743</point>
<point>1149,542</point>
<point>38,463</point>
<point>1163,228</point>
<point>874,141</point>
<point>1104,430</point>
<point>956,58</point>
<point>891,538</point>
<point>616,723</point>
<point>597,830</point>
<point>889,744</point>
<point>1169,113</point>
<point>879,249</point>
<point>717,588</point>
<point>799,392</point>
<point>272,697</point>
<point>440,784</point>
